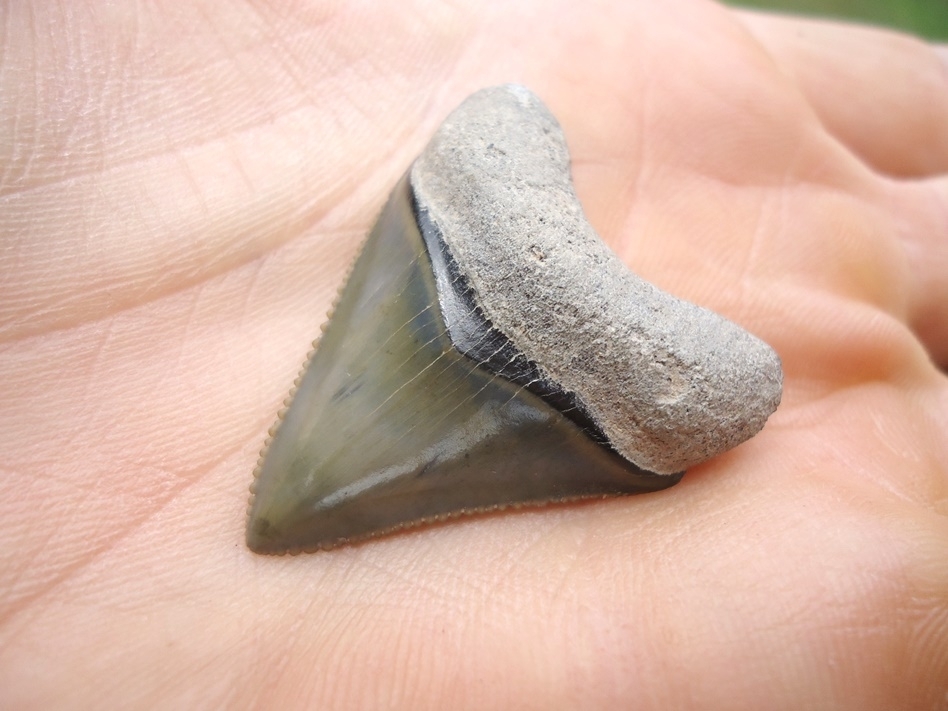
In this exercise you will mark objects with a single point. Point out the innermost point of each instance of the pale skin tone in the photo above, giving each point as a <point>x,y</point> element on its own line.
<point>182,188</point>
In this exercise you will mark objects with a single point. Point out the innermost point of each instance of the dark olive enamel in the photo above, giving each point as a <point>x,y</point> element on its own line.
<point>392,425</point>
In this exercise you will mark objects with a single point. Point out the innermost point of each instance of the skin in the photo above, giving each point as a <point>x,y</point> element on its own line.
<point>182,187</point>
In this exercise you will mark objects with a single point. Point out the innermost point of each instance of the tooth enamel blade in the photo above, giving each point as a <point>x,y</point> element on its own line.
<point>392,426</point>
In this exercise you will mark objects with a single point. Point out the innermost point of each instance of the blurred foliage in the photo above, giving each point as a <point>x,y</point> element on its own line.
<point>927,18</point>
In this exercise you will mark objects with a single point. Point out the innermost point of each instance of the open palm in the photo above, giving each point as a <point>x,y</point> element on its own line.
<point>183,185</point>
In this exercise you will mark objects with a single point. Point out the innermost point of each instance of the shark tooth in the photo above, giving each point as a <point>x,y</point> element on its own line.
<point>489,350</point>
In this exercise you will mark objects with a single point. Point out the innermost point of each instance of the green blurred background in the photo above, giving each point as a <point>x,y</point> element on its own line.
<point>927,18</point>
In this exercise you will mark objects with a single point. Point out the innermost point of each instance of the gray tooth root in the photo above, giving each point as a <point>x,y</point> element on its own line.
<point>668,383</point>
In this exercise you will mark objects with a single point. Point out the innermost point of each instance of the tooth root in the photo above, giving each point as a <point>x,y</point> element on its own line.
<point>446,382</point>
<point>669,383</point>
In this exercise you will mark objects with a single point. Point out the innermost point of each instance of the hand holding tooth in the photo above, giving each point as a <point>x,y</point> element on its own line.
<point>183,187</point>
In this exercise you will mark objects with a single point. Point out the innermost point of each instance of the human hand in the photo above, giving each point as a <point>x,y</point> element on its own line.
<point>183,187</point>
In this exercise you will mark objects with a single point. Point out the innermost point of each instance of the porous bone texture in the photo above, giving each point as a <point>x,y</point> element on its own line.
<point>669,383</point>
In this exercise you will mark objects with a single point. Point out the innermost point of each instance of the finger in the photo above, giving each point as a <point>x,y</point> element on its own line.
<point>882,94</point>
<point>921,222</point>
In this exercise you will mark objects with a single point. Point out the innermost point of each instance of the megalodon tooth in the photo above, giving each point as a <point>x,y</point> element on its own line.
<point>489,350</point>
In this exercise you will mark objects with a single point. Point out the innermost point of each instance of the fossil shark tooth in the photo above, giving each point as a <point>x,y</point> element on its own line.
<point>489,350</point>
